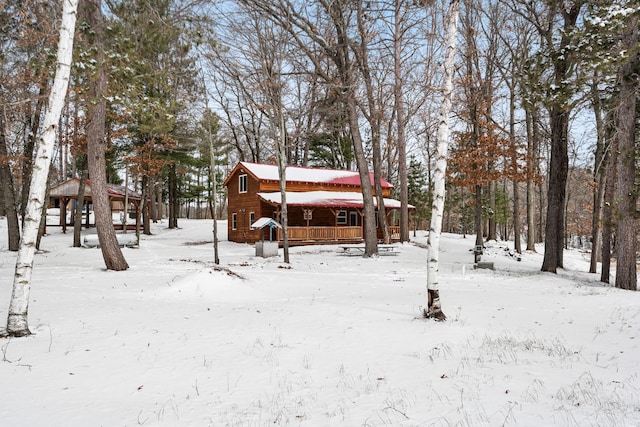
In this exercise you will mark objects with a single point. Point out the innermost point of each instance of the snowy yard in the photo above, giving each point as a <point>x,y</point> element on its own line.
<point>329,340</point>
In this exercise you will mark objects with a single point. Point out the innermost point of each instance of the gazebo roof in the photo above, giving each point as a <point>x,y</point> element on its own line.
<point>264,172</point>
<point>69,189</point>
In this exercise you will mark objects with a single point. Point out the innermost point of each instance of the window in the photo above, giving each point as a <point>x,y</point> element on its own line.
<point>353,218</point>
<point>252,218</point>
<point>341,218</point>
<point>242,183</point>
<point>234,221</point>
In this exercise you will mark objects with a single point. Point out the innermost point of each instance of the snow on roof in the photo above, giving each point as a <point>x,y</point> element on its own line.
<point>312,175</point>
<point>336,199</point>
<point>70,187</point>
<point>264,222</point>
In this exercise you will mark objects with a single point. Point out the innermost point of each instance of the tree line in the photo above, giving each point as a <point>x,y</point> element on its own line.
<point>544,111</point>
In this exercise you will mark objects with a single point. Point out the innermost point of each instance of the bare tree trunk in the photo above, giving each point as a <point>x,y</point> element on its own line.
<point>598,176</point>
<point>514,162</point>
<point>434,307</point>
<point>281,155</point>
<point>213,201</point>
<point>607,211</point>
<point>477,217</point>
<point>626,198</point>
<point>27,162</point>
<point>374,114</point>
<point>96,144</point>
<point>159,202</point>
<point>147,191</point>
<point>370,236</point>
<point>8,192</point>
<point>559,114</point>
<point>531,187</point>
<point>152,198</point>
<point>174,206</point>
<point>558,172</point>
<point>77,217</point>
<point>17,321</point>
<point>344,64</point>
<point>400,118</point>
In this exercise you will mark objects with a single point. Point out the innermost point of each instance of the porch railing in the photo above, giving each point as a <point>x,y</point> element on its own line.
<point>322,233</point>
<point>331,233</point>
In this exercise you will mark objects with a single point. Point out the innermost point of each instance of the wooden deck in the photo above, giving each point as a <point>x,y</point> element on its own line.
<point>328,235</point>
<point>335,234</point>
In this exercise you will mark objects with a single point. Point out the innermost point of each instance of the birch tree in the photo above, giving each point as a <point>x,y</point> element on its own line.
<point>434,308</point>
<point>17,322</point>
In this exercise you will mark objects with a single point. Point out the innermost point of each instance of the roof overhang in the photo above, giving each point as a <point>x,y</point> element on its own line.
<point>69,190</point>
<point>325,199</point>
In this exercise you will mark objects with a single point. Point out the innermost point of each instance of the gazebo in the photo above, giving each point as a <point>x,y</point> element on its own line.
<point>63,198</point>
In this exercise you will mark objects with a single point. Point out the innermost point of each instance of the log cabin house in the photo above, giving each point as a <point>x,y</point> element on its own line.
<point>324,205</point>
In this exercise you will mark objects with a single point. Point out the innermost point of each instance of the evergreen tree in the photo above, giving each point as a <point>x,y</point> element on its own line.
<point>157,87</point>
<point>331,150</point>
<point>419,193</point>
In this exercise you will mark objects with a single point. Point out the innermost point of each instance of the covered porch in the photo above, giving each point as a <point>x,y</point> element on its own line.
<point>333,234</point>
<point>327,217</point>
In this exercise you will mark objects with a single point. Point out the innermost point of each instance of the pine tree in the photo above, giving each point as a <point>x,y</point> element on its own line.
<point>419,193</point>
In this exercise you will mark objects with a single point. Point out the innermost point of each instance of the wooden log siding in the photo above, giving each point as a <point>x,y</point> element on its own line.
<point>242,205</point>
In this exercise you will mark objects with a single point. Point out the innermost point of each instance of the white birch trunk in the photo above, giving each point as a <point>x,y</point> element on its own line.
<point>434,308</point>
<point>17,322</point>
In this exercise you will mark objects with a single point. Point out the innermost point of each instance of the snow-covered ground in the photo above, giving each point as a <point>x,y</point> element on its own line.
<point>328,340</point>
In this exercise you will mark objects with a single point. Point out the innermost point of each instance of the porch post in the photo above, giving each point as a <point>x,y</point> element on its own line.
<point>335,223</point>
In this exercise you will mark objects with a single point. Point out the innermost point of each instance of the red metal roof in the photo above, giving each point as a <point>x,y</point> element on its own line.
<point>266,172</point>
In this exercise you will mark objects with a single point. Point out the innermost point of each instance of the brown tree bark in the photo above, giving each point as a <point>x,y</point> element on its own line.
<point>96,143</point>
<point>607,212</point>
<point>626,198</point>
<point>8,194</point>
<point>559,115</point>
<point>558,173</point>
<point>77,216</point>
<point>400,120</point>
<point>531,193</point>
<point>33,124</point>
<point>374,115</point>
<point>599,169</point>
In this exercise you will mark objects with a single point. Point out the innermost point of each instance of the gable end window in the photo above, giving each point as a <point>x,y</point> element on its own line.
<point>242,183</point>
